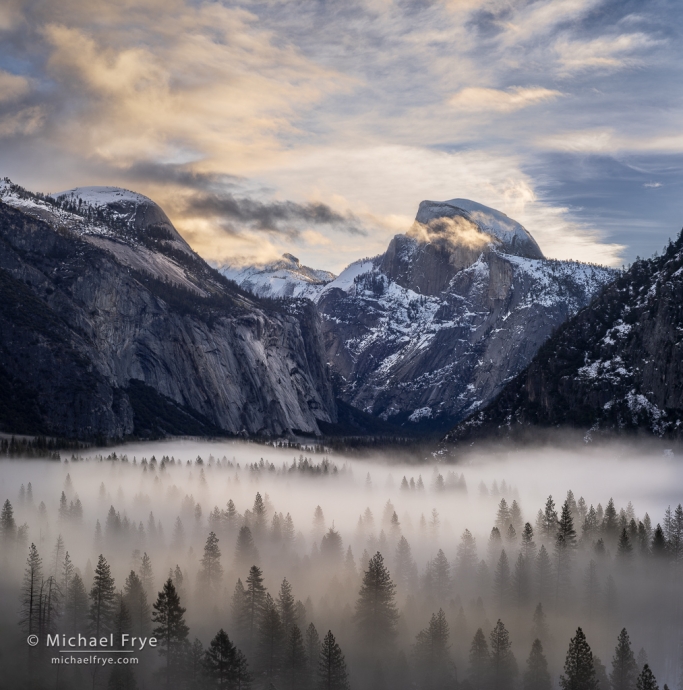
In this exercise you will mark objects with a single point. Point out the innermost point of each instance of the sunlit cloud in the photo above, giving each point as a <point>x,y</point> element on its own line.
<point>477,99</point>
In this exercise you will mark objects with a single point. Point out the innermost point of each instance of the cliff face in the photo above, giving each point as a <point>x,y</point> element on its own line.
<point>616,367</point>
<point>111,326</point>
<point>431,331</point>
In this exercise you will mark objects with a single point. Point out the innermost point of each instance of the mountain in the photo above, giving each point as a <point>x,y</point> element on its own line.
<point>616,367</point>
<point>286,277</point>
<point>429,332</point>
<point>110,325</point>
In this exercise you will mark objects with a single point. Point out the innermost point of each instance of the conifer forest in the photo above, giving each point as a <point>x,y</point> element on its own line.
<point>197,565</point>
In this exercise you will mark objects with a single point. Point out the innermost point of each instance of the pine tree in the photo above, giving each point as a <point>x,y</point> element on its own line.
<point>146,575</point>
<point>260,513</point>
<point>432,653</point>
<point>255,600</point>
<point>376,614</point>
<point>624,669</point>
<point>579,671</point>
<point>285,607</point>
<point>502,582</point>
<point>194,658</point>
<point>331,548</point>
<point>624,547</point>
<point>76,606</point>
<point>171,630</point>
<point>219,659</point>
<point>528,544</point>
<point>312,642</point>
<point>102,599</point>
<point>271,639</point>
<point>539,629</point>
<point>480,662</point>
<point>8,527</point>
<point>610,521</point>
<point>503,664</point>
<point>658,548</point>
<point>591,590</point>
<point>246,553</point>
<point>466,557</point>
<point>521,581</point>
<point>503,518</point>
<point>441,576</point>
<point>211,573</point>
<point>136,601</point>
<point>239,613</point>
<point>543,575</point>
<point>332,673</point>
<point>121,622</point>
<point>494,546</point>
<point>536,676</point>
<point>646,680</point>
<point>549,520</point>
<point>68,571</point>
<point>295,660</point>
<point>405,567</point>
<point>565,543</point>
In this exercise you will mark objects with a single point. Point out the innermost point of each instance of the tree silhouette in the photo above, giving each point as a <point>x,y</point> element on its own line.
<point>536,676</point>
<point>579,671</point>
<point>376,614</point>
<point>171,630</point>
<point>332,673</point>
<point>102,599</point>
<point>480,662</point>
<point>503,664</point>
<point>624,669</point>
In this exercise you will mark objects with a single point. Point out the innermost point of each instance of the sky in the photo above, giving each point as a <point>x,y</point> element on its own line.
<point>317,127</point>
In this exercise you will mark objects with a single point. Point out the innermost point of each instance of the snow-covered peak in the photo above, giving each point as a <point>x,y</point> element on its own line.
<point>286,277</point>
<point>514,238</point>
<point>104,196</point>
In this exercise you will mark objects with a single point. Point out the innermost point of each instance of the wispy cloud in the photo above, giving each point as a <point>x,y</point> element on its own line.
<point>478,99</point>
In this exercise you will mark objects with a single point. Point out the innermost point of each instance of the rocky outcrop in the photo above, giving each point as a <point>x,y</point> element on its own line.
<point>614,368</point>
<point>104,323</point>
<point>430,332</point>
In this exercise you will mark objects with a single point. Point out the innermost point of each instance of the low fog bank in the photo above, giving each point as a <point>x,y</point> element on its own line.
<point>452,536</point>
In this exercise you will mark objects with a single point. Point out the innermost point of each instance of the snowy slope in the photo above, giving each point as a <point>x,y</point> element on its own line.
<point>286,277</point>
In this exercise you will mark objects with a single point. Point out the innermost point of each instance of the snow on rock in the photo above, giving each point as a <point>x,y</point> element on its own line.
<point>286,277</point>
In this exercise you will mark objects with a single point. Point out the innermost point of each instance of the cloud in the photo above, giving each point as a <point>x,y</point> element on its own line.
<point>276,217</point>
<point>652,185</point>
<point>12,86</point>
<point>478,99</point>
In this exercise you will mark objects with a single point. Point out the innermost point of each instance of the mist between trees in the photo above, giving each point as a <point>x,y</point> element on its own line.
<point>530,571</point>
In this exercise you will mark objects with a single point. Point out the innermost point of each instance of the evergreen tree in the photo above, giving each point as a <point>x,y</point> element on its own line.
<point>503,664</point>
<point>610,521</point>
<point>539,629</point>
<point>30,591</point>
<point>194,658</point>
<point>565,543</point>
<point>624,669</point>
<point>658,548</point>
<point>121,622</point>
<point>536,676</point>
<point>646,680</point>
<point>211,574</point>
<point>239,612</point>
<point>219,659</point>
<point>528,544</point>
<point>331,548</point>
<point>260,515</point>
<point>76,606</point>
<point>376,614</point>
<point>579,671</point>
<point>432,654</point>
<point>102,599</point>
<point>441,580</point>
<point>295,660</point>
<point>255,600</point>
<point>549,520</point>
<point>8,527</point>
<point>146,575</point>
<point>246,553</point>
<point>521,581</point>
<point>480,662</point>
<point>312,642</point>
<point>68,571</point>
<point>624,547</point>
<point>502,582</point>
<point>286,607</point>
<point>271,639</point>
<point>503,518</point>
<point>171,631</point>
<point>543,575</point>
<point>405,567</point>
<point>466,557</point>
<point>136,601</point>
<point>332,673</point>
